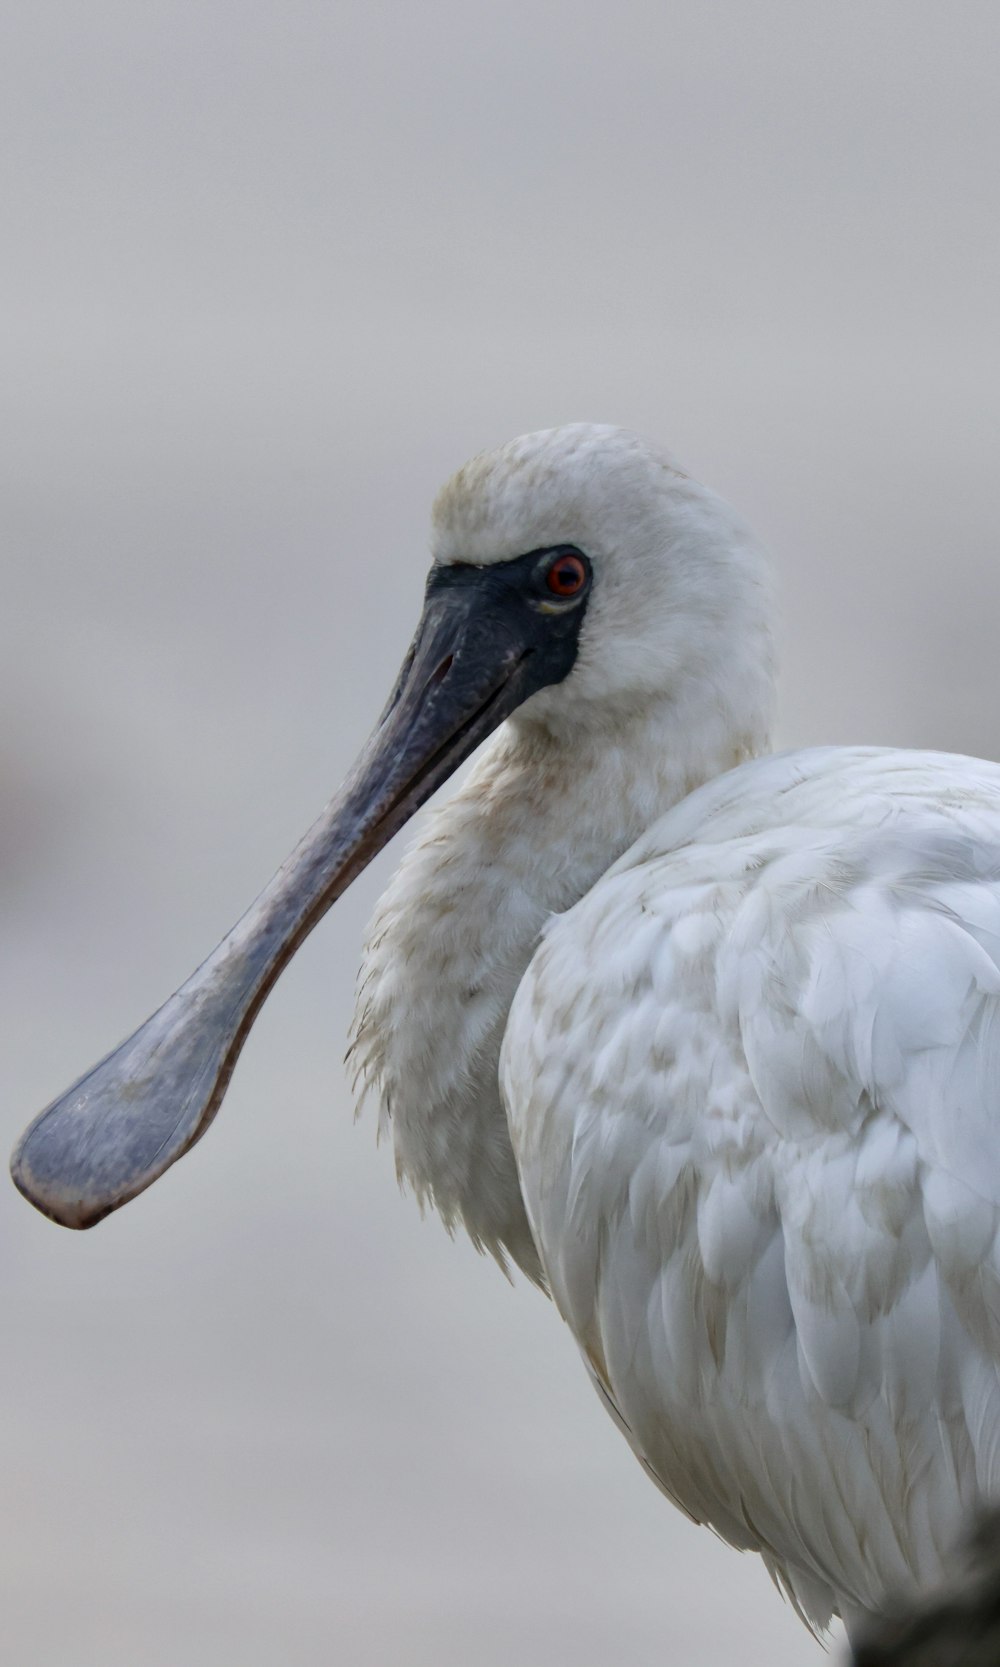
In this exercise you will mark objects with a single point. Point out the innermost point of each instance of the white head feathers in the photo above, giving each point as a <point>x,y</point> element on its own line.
<point>681,604</point>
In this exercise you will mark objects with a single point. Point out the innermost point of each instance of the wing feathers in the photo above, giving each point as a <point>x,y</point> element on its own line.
<point>753,1082</point>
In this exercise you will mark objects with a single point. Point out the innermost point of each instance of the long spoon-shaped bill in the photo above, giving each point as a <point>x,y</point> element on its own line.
<point>478,653</point>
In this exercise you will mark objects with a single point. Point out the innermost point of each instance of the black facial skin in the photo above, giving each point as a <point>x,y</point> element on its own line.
<point>488,639</point>
<point>506,603</point>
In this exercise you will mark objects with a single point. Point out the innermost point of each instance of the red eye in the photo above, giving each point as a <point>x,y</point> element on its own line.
<point>567,575</point>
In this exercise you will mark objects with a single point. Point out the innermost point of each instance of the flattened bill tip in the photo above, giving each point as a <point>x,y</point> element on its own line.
<point>66,1208</point>
<point>119,1127</point>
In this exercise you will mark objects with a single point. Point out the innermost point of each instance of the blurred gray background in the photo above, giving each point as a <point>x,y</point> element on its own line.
<point>270,271</point>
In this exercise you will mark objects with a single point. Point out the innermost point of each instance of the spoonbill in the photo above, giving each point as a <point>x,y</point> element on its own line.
<point>706,1041</point>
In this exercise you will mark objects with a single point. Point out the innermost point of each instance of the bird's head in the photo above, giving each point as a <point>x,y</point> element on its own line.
<point>578,577</point>
<point>630,582</point>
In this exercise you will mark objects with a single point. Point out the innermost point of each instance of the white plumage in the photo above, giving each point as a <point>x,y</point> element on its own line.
<point>707,1042</point>
<point>752,1081</point>
<point>750,1028</point>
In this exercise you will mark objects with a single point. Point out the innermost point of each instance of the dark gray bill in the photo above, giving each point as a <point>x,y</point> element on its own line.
<point>486,641</point>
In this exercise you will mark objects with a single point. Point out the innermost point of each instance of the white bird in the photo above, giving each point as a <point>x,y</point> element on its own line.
<point>706,1041</point>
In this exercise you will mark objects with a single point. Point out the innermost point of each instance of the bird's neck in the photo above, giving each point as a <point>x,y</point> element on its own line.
<point>532,828</point>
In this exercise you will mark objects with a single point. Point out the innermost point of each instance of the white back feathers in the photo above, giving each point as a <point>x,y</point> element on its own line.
<point>751,1080</point>
<point>708,1043</point>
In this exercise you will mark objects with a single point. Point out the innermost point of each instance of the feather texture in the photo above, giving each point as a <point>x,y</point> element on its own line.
<point>752,1081</point>
<point>745,1127</point>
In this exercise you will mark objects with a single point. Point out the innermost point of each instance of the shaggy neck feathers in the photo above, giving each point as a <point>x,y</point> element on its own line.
<point>672,684</point>
<point>535,824</point>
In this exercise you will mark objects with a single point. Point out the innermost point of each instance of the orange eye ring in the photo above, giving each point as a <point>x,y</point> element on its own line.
<point>567,575</point>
